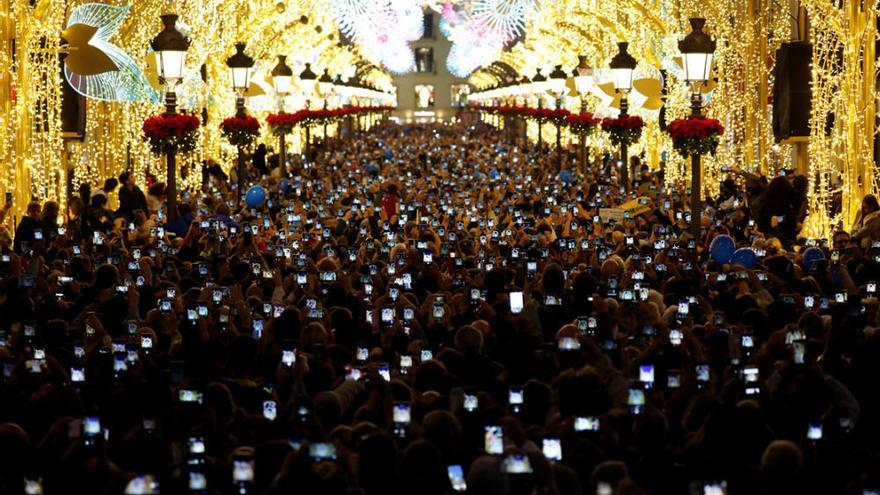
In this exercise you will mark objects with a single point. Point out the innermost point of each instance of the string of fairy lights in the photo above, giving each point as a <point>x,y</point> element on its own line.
<point>37,157</point>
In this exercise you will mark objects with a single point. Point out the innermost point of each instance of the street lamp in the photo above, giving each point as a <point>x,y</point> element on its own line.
<point>325,87</point>
<point>697,51</point>
<point>539,85</point>
<point>240,70</point>
<point>171,46</point>
<point>282,76</point>
<point>583,83</point>
<point>522,91</point>
<point>622,67</point>
<point>556,85</point>
<point>307,79</point>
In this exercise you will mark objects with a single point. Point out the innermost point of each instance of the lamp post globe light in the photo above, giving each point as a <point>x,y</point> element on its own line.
<point>282,76</point>
<point>556,85</point>
<point>583,80</point>
<point>583,84</point>
<point>697,51</point>
<point>308,80</point>
<point>240,71</point>
<point>170,46</point>
<point>538,87</point>
<point>622,67</point>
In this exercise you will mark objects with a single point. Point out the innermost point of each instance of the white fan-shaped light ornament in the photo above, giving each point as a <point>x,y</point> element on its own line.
<point>398,57</point>
<point>409,18</point>
<point>504,19</point>
<point>127,82</point>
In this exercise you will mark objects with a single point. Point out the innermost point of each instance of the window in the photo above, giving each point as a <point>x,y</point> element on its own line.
<point>459,95</point>
<point>428,21</point>
<point>424,95</point>
<point>424,59</point>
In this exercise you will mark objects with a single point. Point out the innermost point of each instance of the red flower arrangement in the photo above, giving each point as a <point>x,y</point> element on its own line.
<point>240,131</point>
<point>695,135</point>
<point>282,123</point>
<point>583,123</point>
<point>171,133</point>
<point>623,130</point>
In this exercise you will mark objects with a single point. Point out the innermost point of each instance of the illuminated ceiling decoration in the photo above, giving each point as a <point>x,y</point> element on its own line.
<point>96,68</point>
<point>382,28</point>
<point>479,30</point>
<point>504,19</point>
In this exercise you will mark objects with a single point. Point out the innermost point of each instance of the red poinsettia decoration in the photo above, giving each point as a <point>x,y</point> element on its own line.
<point>583,123</point>
<point>282,123</point>
<point>240,131</point>
<point>623,130</point>
<point>171,133</point>
<point>695,135</point>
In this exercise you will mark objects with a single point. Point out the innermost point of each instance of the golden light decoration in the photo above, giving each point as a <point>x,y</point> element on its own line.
<point>39,162</point>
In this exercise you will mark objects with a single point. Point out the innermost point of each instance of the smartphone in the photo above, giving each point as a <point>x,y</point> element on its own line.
<point>270,410</point>
<point>552,449</point>
<point>288,357</point>
<point>636,400</point>
<point>517,463</point>
<point>516,302</point>
<point>646,375</point>
<point>588,423</point>
<point>470,402</point>
<point>456,477</point>
<point>402,413</point>
<point>494,440</point>
<point>322,451</point>
<point>243,469</point>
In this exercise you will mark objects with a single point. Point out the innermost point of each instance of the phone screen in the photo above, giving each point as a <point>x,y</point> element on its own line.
<point>494,440</point>
<point>456,477</point>
<point>516,302</point>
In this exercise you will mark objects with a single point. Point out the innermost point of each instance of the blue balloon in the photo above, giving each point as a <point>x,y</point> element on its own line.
<point>745,257</point>
<point>566,176</point>
<point>722,249</point>
<point>283,185</point>
<point>255,196</point>
<point>494,174</point>
<point>811,256</point>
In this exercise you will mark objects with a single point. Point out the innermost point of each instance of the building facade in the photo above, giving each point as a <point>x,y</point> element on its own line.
<point>430,93</point>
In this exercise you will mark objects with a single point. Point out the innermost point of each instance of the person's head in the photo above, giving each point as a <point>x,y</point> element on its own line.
<point>781,462</point>
<point>34,210</point>
<point>50,210</point>
<point>126,179</point>
<point>469,341</point>
<point>75,206</point>
<point>110,184</point>
<point>870,204</point>
<point>840,239</point>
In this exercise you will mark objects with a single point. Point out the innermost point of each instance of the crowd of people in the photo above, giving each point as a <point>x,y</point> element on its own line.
<point>434,309</point>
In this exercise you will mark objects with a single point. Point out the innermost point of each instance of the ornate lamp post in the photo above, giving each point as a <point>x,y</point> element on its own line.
<point>697,51</point>
<point>240,70</point>
<point>622,66</point>
<point>539,86</point>
<point>522,91</point>
<point>583,83</point>
<point>325,87</point>
<point>308,80</point>
<point>170,46</point>
<point>556,86</point>
<point>282,75</point>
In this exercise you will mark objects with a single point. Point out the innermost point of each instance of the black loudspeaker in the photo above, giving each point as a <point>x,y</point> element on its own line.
<point>792,96</point>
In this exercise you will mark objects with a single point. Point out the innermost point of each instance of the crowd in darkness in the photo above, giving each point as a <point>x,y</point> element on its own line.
<point>433,309</point>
